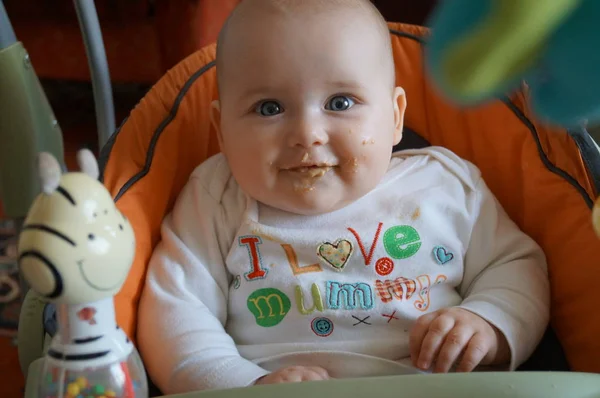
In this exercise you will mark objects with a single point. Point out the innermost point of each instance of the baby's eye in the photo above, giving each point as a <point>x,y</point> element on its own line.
<point>269,108</point>
<point>339,103</point>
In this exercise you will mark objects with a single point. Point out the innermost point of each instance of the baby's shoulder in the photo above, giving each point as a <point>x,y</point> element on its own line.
<point>439,161</point>
<point>214,179</point>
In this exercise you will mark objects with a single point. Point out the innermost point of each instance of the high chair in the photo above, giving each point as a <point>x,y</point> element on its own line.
<point>546,179</point>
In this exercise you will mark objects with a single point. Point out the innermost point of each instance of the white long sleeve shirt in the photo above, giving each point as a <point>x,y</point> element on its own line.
<point>236,289</point>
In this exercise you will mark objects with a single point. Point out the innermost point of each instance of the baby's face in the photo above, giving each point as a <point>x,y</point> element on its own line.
<point>308,112</point>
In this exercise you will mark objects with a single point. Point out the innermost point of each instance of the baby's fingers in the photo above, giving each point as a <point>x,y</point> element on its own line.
<point>316,373</point>
<point>417,334</point>
<point>438,329</point>
<point>455,343</point>
<point>476,350</point>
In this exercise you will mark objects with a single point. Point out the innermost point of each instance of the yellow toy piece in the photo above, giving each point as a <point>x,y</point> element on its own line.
<point>596,216</point>
<point>75,246</point>
<point>519,30</point>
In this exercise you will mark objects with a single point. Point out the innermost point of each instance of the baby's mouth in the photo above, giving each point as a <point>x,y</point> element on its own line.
<point>311,171</point>
<point>306,175</point>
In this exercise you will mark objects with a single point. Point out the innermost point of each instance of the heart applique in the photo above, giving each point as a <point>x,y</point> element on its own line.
<point>442,256</point>
<point>335,254</point>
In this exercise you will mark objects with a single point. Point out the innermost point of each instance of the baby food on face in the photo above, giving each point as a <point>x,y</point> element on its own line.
<point>310,173</point>
<point>353,164</point>
<point>307,106</point>
<point>367,141</point>
<point>308,176</point>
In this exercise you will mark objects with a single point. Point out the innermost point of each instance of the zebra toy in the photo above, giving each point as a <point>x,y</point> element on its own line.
<point>75,250</point>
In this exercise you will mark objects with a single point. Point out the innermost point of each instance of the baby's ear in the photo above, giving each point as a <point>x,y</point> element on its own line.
<point>87,163</point>
<point>399,109</point>
<point>215,120</point>
<point>49,172</point>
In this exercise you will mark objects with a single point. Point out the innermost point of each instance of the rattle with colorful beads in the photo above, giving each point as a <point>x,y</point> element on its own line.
<point>75,250</point>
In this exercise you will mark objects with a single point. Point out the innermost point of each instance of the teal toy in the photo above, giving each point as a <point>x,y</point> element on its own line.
<point>480,50</point>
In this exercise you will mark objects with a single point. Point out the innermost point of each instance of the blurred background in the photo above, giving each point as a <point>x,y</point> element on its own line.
<point>143,39</point>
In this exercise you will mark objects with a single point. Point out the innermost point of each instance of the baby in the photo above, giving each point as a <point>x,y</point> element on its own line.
<point>307,250</point>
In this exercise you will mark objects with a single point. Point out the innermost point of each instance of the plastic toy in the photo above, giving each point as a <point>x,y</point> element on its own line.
<point>76,249</point>
<point>596,217</point>
<point>482,49</point>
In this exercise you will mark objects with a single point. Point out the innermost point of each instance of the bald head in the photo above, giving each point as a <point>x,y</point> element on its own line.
<point>307,81</point>
<point>286,11</point>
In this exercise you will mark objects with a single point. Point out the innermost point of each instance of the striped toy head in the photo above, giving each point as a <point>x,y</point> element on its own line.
<point>75,246</point>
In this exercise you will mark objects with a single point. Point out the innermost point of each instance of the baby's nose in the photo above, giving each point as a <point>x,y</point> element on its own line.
<point>306,134</point>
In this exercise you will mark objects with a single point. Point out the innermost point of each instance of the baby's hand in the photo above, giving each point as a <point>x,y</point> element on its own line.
<point>294,374</point>
<point>444,336</point>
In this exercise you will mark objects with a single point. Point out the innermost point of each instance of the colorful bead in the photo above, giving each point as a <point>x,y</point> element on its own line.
<point>82,382</point>
<point>98,389</point>
<point>110,393</point>
<point>73,389</point>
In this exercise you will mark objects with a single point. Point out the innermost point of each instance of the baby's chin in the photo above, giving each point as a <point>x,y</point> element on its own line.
<point>309,210</point>
<point>309,203</point>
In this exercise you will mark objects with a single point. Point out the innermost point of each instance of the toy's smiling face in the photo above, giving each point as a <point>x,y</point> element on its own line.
<point>108,240</point>
<point>76,246</point>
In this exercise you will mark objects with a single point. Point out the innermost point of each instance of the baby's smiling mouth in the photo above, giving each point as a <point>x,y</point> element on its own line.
<point>309,168</point>
<point>309,171</point>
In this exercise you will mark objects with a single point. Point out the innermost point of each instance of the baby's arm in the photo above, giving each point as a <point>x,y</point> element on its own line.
<point>183,308</point>
<point>505,278</point>
<point>506,299</point>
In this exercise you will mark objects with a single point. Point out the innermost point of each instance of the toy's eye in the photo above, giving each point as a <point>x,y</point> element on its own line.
<point>269,108</point>
<point>105,211</point>
<point>91,237</point>
<point>121,227</point>
<point>95,215</point>
<point>339,103</point>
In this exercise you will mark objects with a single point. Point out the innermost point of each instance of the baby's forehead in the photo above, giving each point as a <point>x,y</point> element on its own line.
<point>255,17</point>
<point>332,12</point>
<point>276,28</point>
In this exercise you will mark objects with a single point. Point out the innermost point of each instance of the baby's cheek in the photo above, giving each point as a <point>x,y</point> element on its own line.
<point>369,170</point>
<point>352,179</point>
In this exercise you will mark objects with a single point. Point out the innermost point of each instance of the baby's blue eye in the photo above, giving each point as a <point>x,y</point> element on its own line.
<point>269,108</point>
<point>339,103</point>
